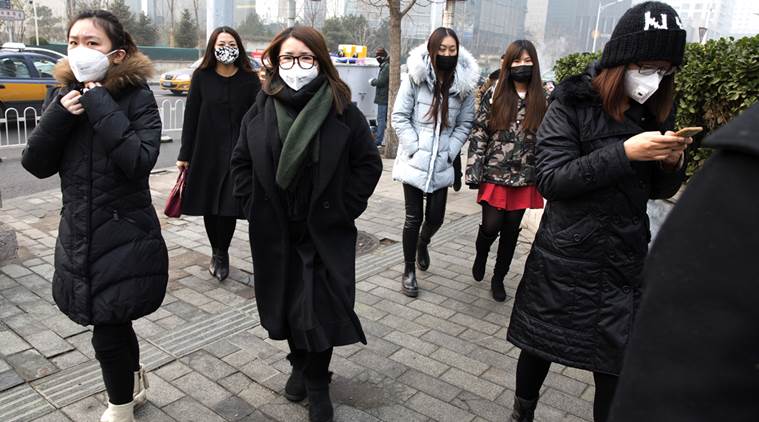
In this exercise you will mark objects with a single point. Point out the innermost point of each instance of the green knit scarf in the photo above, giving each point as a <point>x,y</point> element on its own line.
<point>298,133</point>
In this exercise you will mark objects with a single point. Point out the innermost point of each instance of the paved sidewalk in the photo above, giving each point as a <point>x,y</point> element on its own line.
<point>440,357</point>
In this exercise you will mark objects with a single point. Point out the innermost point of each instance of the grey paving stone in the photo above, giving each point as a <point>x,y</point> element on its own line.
<point>432,309</point>
<point>411,342</point>
<point>565,384</point>
<point>9,379</point>
<point>173,370</point>
<point>372,360</point>
<point>257,395</point>
<point>161,393</point>
<point>438,410</point>
<point>57,416</point>
<point>4,365</point>
<point>486,409</point>
<point>259,371</point>
<point>236,382</point>
<point>63,326</point>
<point>15,270</point>
<point>233,408</point>
<point>30,365</point>
<point>150,413</point>
<point>285,412</point>
<point>380,346</point>
<point>563,401</point>
<point>83,343</point>
<point>239,358</point>
<point>430,385</point>
<point>48,343</point>
<point>459,361</point>
<point>19,295</point>
<point>403,325</point>
<point>7,282</point>
<point>397,413</point>
<point>10,343</point>
<point>446,326</point>
<point>419,362</point>
<point>472,383</point>
<point>256,416</point>
<point>221,348</point>
<point>67,360</point>
<point>208,365</point>
<point>188,410</point>
<point>476,323</point>
<point>347,413</point>
<point>86,410</point>
<point>202,389</point>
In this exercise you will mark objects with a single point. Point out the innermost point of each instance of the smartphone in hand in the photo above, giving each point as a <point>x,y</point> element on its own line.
<point>688,132</point>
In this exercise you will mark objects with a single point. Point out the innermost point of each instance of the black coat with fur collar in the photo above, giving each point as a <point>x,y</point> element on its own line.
<point>582,279</point>
<point>111,264</point>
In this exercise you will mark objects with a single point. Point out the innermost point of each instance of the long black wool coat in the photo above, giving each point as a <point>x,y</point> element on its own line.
<point>694,353</point>
<point>111,264</point>
<point>215,107</point>
<point>348,170</point>
<point>582,279</point>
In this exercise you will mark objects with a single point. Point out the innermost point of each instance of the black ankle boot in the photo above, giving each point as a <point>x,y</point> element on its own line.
<point>295,389</point>
<point>222,266</point>
<point>457,184</point>
<point>524,410</point>
<point>506,246</point>
<point>319,403</point>
<point>213,266</point>
<point>409,286</point>
<point>482,247</point>
<point>497,289</point>
<point>422,250</point>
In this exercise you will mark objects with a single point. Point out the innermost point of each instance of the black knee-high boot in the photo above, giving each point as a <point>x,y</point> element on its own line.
<point>506,247</point>
<point>318,379</point>
<point>482,247</point>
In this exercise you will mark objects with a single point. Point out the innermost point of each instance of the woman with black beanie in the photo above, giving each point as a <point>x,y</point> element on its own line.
<point>605,148</point>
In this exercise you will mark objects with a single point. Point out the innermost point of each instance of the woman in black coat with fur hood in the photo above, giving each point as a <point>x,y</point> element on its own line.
<point>305,166</point>
<point>604,148</point>
<point>101,132</point>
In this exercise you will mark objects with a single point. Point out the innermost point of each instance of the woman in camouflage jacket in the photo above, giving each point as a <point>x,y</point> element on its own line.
<point>502,158</point>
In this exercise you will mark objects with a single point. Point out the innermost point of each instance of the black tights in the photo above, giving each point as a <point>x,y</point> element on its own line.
<point>220,230</point>
<point>532,371</point>
<point>432,217</point>
<point>495,220</point>
<point>315,364</point>
<point>117,350</point>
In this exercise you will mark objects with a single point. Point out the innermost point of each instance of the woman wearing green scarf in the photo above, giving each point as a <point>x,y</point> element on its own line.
<point>304,167</point>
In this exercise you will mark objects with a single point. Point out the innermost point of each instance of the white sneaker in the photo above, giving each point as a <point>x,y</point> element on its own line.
<point>140,387</point>
<point>119,413</point>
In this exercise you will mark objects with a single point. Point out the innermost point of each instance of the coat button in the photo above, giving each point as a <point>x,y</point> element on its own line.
<point>576,237</point>
<point>626,289</point>
<point>325,204</point>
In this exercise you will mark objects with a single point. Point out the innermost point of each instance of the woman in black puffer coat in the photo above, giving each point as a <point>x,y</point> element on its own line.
<point>101,132</point>
<point>603,150</point>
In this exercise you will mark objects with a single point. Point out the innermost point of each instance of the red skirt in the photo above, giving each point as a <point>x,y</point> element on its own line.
<point>510,198</point>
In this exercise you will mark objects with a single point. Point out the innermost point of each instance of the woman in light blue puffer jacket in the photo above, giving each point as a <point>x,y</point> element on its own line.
<point>432,116</point>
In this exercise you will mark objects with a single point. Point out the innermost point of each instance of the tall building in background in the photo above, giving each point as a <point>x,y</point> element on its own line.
<point>570,24</point>
<point>486,27</point>
<point>242,9</point>
<point>535,21</point>
<point>745,18</point>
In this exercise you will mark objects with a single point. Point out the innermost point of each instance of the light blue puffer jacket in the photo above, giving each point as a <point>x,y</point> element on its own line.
<point>425,152</point>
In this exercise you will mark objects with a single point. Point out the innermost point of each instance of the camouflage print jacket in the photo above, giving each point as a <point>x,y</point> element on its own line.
<point>503,157</point>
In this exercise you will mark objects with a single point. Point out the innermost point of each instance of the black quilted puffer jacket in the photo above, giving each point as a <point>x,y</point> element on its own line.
<point>111,263</point>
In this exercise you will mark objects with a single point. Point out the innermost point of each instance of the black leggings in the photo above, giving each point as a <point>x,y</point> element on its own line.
<point>532,371</point>
<point>315,364</point>
<point>220,230</point>
<point>416,215</point>
<point>117,350</point>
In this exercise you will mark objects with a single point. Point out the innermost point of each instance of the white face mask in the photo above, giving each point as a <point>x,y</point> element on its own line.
<point>297,77</point>
<point>88,65</point>
<point>641,87</point>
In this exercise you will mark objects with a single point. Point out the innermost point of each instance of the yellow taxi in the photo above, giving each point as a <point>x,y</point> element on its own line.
<point>178,81</point>
<point>25,76</point>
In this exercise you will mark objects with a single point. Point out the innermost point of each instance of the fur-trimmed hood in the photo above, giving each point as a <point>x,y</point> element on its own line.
<point>133,71</point>
<point>465,79</point>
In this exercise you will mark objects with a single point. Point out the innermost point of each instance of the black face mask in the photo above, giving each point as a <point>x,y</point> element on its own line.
<point>446,63</point>
<point>521,73</point>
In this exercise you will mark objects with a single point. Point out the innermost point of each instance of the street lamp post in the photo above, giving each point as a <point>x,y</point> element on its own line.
<point>36,25</point>
<point>601,7</point>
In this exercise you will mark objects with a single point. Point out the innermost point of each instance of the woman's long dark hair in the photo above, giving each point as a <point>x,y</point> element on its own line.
<point>505,97</point>
<point>610,85</point>
<point>109,23</point>
<point>209,57</point>
<point>443,79</point>
<point>314,40</point>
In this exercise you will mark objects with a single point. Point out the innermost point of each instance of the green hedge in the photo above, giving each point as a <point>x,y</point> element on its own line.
<point>718,80</point>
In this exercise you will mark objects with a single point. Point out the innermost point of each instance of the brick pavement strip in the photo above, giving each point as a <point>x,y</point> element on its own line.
<point>440,357</point>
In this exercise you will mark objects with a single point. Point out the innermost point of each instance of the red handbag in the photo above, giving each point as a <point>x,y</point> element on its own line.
<point>174,202</point>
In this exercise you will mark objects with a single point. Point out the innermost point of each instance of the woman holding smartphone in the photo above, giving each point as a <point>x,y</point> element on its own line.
<point>605,147</point>
<point>223,88</point>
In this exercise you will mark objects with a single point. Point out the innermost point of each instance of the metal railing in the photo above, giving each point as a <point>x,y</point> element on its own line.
<point>16,126</point>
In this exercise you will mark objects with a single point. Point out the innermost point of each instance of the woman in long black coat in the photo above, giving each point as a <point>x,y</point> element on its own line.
<point>111,264</point>
<point>305,166</point>
<point>601,156</point>
<point>222,89</point>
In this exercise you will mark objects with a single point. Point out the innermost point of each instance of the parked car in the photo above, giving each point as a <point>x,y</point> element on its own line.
<point>25,76</point>
<point>178,81</point>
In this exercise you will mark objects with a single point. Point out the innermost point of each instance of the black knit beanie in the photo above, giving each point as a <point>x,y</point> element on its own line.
<point>647,31</point>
